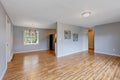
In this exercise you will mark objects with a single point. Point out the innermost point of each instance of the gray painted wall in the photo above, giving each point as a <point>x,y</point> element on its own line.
<point>66,47</point>
<point>85,38</point>
<point>18,45</point>
<point>3,60</point>
<point>2,41</point>
<point>107,39</point>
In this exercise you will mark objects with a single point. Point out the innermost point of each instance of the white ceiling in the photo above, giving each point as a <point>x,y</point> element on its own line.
<point>43,13</point>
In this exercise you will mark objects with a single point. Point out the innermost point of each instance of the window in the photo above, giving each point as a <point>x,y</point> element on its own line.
<point>31,36</point>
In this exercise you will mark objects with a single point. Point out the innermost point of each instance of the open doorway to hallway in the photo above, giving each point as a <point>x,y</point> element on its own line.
<point>52,43</point>
<point>91,41</point>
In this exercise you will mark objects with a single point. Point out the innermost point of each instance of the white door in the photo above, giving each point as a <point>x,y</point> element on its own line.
<point>8,39</point>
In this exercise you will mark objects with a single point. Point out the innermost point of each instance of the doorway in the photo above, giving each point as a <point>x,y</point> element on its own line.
<point>91,41</point>
<point>52,43</point>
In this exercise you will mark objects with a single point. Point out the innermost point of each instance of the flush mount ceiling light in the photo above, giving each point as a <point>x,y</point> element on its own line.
<point>86,14</point>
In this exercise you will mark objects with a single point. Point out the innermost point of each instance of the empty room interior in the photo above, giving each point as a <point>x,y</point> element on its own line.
<point>59,40</point>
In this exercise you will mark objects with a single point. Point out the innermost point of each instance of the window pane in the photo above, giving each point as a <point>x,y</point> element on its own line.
<point>34,40</point>
<point>27,40</point>
<point>26,33</point>
<point>30,36</point>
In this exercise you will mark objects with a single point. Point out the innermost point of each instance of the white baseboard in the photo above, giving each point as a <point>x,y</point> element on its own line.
<point>29,51</point>
<point>1,77</point>
<point>112,54</point>
<point>11,57</point>
<point>71,53</point>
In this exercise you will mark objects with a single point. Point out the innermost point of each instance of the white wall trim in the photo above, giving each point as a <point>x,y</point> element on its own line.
<point>1,77</point>
<point>30,51</point>
<point>112,54</point>
<point>11,57</point>
<point>71,53</point>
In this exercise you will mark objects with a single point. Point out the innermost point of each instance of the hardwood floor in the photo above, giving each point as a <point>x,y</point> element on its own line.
<point>43,65</point>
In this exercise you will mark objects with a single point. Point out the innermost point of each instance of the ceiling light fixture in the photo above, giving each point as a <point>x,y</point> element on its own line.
<point>86,14</point>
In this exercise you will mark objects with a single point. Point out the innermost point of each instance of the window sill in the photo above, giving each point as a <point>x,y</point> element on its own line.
<point>31,44</point>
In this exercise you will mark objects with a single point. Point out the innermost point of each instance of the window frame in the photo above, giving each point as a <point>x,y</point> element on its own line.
<point>37,42</point>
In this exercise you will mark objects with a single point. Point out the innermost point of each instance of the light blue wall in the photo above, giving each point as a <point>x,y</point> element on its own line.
<point>18,45</point>
<point>3,61</point>
<point>67,46</point>
<point>107,39</point>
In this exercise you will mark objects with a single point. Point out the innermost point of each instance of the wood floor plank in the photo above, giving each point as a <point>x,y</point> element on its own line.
<point>43,65</point>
